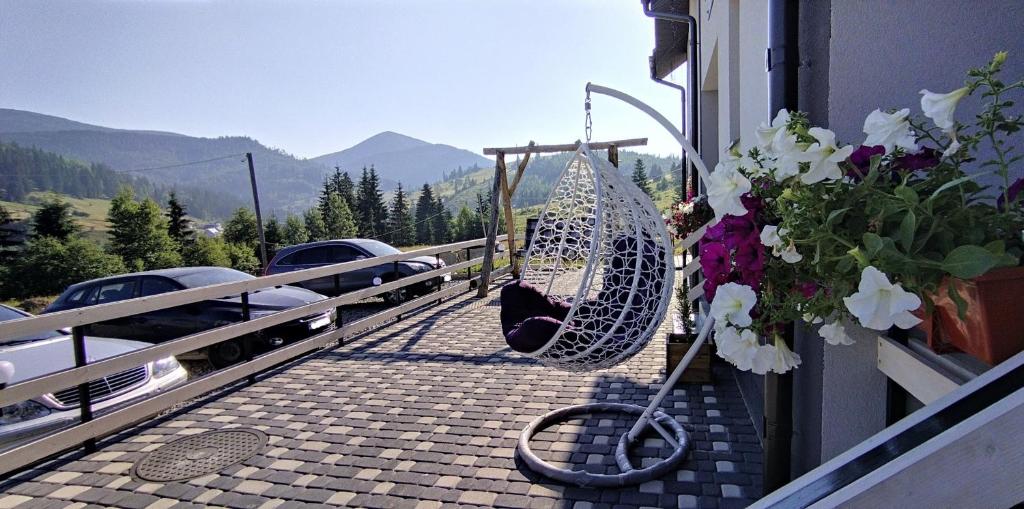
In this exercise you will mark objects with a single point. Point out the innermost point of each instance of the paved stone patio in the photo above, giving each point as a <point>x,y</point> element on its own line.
<point>423,413</point>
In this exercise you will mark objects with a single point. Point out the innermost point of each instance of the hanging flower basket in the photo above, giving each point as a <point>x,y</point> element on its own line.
<point>992,330</point>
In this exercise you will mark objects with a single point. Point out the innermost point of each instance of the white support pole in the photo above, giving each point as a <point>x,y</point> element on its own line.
<point>637,428</point>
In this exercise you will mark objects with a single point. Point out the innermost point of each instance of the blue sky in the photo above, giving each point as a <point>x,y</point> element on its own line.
<point>316,76</point>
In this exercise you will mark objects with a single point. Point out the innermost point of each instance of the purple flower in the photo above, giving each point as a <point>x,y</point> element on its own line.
<point>924,159</point>
<point>737,230</point>
<point>861,158</point>
<point>750,255</point>
<point>807,288</point>
<point>752,203</point>
<point>714,259</point>
<point>714,233</point>
<point>711,285</point>
<point>1011,193</point>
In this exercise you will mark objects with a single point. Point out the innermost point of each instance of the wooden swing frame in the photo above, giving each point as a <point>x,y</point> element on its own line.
<point>502,190</point>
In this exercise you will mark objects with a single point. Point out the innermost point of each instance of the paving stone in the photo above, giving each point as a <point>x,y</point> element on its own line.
<point>422,414</point>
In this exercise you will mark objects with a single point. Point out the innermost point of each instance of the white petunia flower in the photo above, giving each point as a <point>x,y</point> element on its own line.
<point>763,360</point>
<point>812,319</point>
<point>770,236</point>
<point>824,157</point>
<point>785,359</point>
<point>889,130</point>
<point>879,304</point>
<point>940,107</point>
<point>953,148</point>
<point>740,348</point>
<point>835,334</point>
<point>725,187</point>
<point>732,304</point>
<point>789,255</point>
<point>789,154</point>
<point>766,132</point>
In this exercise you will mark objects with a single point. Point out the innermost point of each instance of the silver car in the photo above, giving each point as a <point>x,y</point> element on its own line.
<point>49,352</point>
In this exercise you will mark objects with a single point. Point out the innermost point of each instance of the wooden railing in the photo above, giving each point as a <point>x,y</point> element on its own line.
<point>91,427</point>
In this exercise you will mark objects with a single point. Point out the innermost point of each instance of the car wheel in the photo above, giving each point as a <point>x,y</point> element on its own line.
<point>226,353</point>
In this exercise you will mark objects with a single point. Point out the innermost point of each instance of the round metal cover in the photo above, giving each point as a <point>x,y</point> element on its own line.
<point>199,455</point>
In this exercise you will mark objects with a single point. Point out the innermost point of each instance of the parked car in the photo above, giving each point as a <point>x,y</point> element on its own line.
<point>52,351</point>
<point>166,324</point>
<point>328,252</point>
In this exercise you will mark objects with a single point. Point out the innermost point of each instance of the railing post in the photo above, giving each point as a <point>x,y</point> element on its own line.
<point>440,279</point>
<point>469,270</point>
<point>246,343</point>
<point>84,397</point>
<point>338,321</point>
<point>394,274</point>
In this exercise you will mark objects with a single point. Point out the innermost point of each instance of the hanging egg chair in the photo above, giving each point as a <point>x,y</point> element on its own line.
<point>597,276</point>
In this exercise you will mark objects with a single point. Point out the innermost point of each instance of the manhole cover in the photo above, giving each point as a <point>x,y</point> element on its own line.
<point>199,455</point>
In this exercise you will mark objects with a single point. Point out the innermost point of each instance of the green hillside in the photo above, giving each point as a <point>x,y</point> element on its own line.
<point>90,213</point>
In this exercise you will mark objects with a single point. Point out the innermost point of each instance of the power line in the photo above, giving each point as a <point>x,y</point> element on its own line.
<point>179,165</point>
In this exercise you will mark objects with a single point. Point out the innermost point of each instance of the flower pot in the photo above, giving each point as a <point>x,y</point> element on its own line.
<point>699,370</point>
<point>992,330</point>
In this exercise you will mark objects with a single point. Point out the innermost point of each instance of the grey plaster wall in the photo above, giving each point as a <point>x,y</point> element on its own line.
<point>881,53</point>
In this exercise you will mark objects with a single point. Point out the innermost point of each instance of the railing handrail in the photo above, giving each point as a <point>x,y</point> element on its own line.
<point>109,311</point>
<point>70,377</point>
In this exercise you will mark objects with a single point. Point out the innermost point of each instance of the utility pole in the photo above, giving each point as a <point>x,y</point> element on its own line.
<point>259,216</point>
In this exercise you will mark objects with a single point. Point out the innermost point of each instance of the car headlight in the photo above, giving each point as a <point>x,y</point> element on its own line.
<point>165,366</point>
<point>24,411</point>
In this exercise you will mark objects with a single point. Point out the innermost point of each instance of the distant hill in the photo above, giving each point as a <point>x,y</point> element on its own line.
<point>461,187</point>
<point>404,159</point>
<point>286,183</point>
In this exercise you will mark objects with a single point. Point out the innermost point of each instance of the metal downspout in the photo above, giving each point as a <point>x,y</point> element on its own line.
<point>781,62</point>
<point>693,84</point>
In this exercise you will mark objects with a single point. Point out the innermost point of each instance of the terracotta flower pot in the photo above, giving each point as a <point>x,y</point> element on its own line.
<point>993,329</point>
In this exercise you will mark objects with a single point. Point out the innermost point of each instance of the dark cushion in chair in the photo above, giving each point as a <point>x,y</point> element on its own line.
<point>532,333</point>
<point>521,300</point>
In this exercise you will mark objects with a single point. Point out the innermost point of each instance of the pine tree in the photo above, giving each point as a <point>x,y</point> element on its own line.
<point>294,231</point>
<point>179,227</point>
<point>678,181</point>
<point>442,227</point>
<point>138,233</point>
<point>241,229</point>
<point>425,211</point>
<point>54,219</point>
<point>347,189</point>
<point>371,210</point>
<point>465,225</point>
<point>273,235</point>
<point>8,245</point>
<point>338,221</point>
<point>400,227</point>
<point>640,177</point>
<point>314,223</point>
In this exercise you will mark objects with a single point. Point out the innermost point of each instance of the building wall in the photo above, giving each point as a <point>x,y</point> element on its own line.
<point>881,53</point>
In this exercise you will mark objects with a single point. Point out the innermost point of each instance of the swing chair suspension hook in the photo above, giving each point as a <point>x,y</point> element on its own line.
<point>589,124</point>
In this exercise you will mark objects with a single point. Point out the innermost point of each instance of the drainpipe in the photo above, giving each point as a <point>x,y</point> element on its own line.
<point>781,61</point>
<point>692,59</point>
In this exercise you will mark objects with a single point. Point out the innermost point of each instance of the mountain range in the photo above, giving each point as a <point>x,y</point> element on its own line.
<point>286,183</point>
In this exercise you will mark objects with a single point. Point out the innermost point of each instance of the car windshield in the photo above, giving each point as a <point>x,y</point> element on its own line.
<point>211,277</point>
<point>10,314</point>
<point>378,248</point>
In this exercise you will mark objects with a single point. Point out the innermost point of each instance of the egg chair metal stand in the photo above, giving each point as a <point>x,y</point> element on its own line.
<point>602,255</point>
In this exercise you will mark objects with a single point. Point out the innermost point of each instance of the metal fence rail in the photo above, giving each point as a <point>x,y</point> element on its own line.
<point>91,428</point>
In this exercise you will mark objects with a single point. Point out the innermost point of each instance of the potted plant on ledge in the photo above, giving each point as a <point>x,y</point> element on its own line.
<point>919,226</point>
<point>687,217</point>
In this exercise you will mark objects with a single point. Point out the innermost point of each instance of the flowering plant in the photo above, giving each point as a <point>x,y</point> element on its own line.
<point>864,233</point>
<point>688,216</point>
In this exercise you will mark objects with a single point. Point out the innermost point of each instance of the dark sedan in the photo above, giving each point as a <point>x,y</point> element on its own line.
<point>166,324</point>
<point>328,252</point>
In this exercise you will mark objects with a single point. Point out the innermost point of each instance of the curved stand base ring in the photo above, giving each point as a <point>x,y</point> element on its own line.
<point>628,476</point>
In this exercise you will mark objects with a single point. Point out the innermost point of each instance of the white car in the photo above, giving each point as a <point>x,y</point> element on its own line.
<point>28,357</point>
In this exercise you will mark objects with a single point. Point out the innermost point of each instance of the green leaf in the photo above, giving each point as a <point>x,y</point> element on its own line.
<point>966,262</point>
<point>873,243</point>
<point>907,194</point>
<point>956,182</point>
<point>961,304</point>
<point>907,228</point>
<point>834,216</point>
<point>996,247</point>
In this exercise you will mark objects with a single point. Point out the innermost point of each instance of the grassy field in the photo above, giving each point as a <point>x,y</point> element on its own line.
<point>90,213</point>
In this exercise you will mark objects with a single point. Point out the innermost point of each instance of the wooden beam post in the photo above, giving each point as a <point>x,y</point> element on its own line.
<point>613,155</point>
<point>492,228</point>
<point>510,226</point>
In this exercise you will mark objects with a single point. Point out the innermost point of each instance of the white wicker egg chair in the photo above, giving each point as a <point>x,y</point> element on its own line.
<point>601,250</point>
